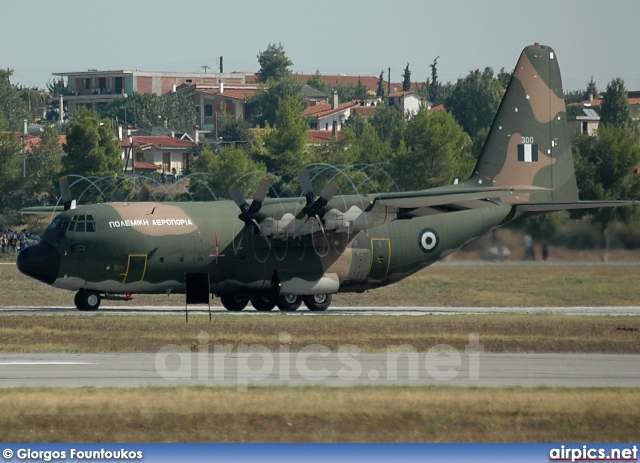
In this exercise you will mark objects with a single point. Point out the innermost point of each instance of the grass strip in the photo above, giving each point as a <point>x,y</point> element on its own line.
<point>399,414</point>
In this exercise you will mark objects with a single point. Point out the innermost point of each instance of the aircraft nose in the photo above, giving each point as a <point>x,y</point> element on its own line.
<point>41,262</point>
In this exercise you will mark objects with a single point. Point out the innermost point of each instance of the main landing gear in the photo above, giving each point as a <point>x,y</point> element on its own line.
<point>87,300</point>
<point>288,303</point>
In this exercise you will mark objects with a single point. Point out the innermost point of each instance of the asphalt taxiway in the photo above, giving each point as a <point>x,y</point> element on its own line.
<point>263,368</point>
<point>394,311</point>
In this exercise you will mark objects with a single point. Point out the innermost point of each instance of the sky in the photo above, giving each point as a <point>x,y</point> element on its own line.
<point>355,37</point>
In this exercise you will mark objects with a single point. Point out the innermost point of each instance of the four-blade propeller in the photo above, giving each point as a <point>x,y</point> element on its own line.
<point>250,213</point>
<point>315,206</point>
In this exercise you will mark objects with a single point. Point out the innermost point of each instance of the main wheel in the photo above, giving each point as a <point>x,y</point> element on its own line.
<point>289,303</point>
<point>263,304</point>
<point>233,303</point>
<point>87,300</point>
<point>317,302</point>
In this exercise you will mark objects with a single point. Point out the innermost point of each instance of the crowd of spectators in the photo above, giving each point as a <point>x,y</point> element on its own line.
<point>12,241</point>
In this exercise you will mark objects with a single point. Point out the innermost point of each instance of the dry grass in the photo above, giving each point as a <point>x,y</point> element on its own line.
<point>148,333</point>
<point>450,284</point>
<point>319,415</point>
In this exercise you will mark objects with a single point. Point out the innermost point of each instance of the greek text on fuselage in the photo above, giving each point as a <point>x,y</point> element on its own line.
<point>147,223</point>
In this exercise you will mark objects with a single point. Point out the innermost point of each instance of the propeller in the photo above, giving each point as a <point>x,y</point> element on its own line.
<point>143,194</point>
<point>250,213</point>
<point>117,196</point>
<point>315,206</point>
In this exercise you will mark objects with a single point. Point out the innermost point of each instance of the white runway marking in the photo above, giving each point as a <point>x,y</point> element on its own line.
<point>47,363</point>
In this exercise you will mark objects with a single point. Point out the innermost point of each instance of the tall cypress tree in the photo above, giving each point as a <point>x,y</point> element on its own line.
<point>406,82</point>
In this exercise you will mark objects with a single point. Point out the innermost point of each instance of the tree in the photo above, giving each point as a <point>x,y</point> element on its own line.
<point>435,151</point>
<point>434,85</point>
<point>380,90</point>
<point>274,63</point>
<point>43,166</point>
<point>615,110</point>
<point>350,92</point>
<point>10,169</point>
<point>316,81</point>
<point>12,106</point>
<point>605,166</point>
<point>92,148</point>
<point>475,100</point>
<point>56,89</point>
<point>264,104</point>
<point>389,124</point>
<point>286,144</point>
<point>592,90</point>
<point>234,131</point>
<point>504,78</point>
<point>226,168</point>
<point>36,101</point>
<point>145,111</point>
<point>406,81</point>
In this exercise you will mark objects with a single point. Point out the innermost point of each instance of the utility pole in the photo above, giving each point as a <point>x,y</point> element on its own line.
<point>221,66</point>
<point>205,67</point>
<point>24,149</point>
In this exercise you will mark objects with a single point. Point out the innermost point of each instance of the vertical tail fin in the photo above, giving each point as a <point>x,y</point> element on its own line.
<point>528,144</point>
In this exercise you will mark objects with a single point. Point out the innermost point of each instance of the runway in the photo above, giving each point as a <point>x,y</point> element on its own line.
<point>257,366</point>
<point>391,311</point>
<point>262,368</point>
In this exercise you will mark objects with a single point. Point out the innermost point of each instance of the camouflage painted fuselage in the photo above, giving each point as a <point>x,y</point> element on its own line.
<point>148,247</point>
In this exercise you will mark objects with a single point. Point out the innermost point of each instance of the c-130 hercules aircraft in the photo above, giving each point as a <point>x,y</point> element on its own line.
<point>287,251</point>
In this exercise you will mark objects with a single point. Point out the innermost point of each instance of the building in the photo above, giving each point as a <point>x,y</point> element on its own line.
<point>156,154</point>
<point>407,102</point>
<point>93,89</point>
<point>329,116</point>
<point>222,98</point>
<point>586,121</point>
<point>586,115</point>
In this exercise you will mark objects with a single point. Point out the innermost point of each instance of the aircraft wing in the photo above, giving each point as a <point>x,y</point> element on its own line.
<point>442,197</point>
<point>42,210</point>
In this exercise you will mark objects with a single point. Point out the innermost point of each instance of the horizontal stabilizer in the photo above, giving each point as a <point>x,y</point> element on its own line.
<point>442,197</point>
<point>555,207</point>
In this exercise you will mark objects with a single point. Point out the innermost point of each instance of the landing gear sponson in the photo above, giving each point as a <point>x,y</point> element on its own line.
<point>288,303</point>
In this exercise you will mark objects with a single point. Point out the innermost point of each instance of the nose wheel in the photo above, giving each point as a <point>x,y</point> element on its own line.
<point>87,300</point>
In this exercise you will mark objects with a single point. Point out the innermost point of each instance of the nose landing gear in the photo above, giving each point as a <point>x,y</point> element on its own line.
<point>87,300</point>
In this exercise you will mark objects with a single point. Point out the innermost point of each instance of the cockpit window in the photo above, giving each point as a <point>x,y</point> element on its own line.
<point>79,223</point>
<point>59,224</point>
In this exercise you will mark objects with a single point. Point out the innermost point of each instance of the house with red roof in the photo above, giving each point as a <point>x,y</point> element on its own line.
<point>329,116</point>
<point>407,102</point>
<point>93,89</point>
<point>156,154</point>
<point>211,100</point>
